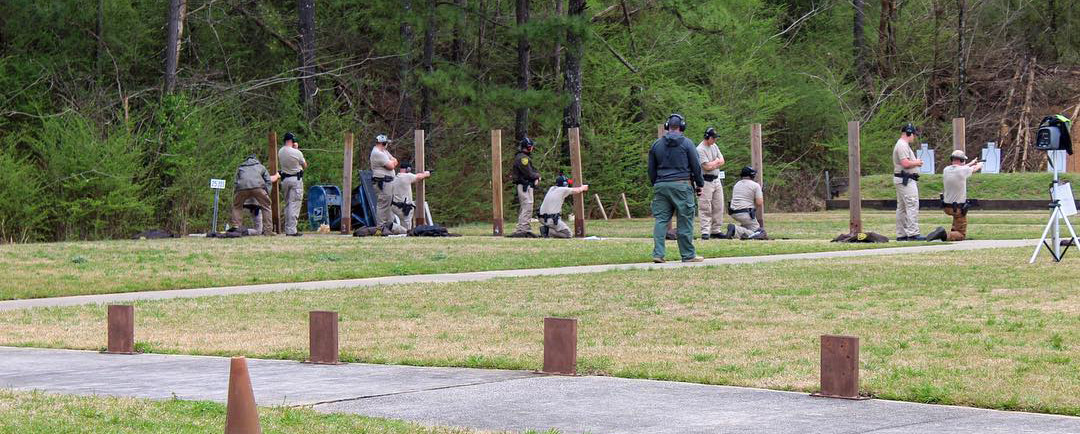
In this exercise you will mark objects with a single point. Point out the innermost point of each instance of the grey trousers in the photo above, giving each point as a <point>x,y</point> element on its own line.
<point>744,225</point>
<point>525,199</point>
<point>711,207</point>
<point>907,208</point>
<point>383,200</point>
<point>293,191</point>
<point>406,220</point>
<point>557,230</point>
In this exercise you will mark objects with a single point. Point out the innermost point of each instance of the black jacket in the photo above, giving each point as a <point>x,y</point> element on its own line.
<point>524,172</point>
<point>674,158</point>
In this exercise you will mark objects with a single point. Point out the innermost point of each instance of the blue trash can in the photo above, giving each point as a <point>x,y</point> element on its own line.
<point>324,206</point>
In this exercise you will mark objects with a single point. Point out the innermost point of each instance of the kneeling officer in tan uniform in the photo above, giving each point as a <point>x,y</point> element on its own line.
<point>954,200</point>
<point>551,222</point>
<point>746,199</point>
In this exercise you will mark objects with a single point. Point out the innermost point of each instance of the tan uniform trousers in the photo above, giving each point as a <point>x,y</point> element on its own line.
<point>959,224</point>
<point>293,189</point>
<point>907,208</point>
<point>557,230</point>
<point>711,207</point>
<point>406,220</point>
<point>383,199</point>
<point>263,199</point>
<point>744,225</point>
<point>525,199</point>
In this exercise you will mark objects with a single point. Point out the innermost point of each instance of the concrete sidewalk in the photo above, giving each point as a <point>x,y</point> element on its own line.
<point>487,275</point>
<point>503,400</point>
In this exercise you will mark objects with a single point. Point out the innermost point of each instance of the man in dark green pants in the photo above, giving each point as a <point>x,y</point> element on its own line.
<point>675,173</point>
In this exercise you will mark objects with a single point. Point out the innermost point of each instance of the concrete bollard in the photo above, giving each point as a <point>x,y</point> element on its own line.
<point>323,337</point>
<point>241,414</point>
<point>560,346</point>
<point>839,367</point>
<point>121,326</point>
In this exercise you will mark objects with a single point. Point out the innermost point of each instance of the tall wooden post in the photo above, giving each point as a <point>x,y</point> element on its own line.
<point>755,161</point>
<point>420,216</point>
<point>660,131</point>
<point>854,178</point>
<point>575,167</point>
<point>275,193</point>
<point>959,140</point>
<point>346,186</point>
<point>496,183</point>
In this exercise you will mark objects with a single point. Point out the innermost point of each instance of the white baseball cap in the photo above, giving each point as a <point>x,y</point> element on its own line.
<point>381,138</point>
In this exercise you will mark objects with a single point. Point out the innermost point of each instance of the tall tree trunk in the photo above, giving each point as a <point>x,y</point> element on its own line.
<point>429,67</point>
<point>521,119</point>
<point>306,9</point>
<point>861,65</point>
<point>933,94</point>
<point>575,51</point>
<point>457,45</point>
<point>480,28</point>
<point>887,38</point>
<point>405,120</point>
<point>99,31</point>
<point>960,69</point>
<point>558,41</point>
<point>177,10</point>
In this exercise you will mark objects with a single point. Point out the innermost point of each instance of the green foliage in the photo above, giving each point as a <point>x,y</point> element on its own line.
<point>21,200</point>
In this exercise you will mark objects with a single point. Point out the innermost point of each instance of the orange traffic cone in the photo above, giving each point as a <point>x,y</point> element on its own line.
<point>241,415</point>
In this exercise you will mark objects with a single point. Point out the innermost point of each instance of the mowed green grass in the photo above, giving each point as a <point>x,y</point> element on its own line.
<point>1028,185</point>
<point>76,268</point>
<point>977,328</point>
<point>36,412</point>
<point>983,225</point>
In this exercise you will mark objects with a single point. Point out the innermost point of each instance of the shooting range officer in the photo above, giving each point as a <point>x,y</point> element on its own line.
<point>746,199</point>
<point>551,221</point>
<point>711,200</point>
<point>675,174</point>
<point>954,200</point>
<point>292,164</point>
<point>402,204</point>
<point>382,174</point>
<point>253,182</point>
<point>526,178</point>
<point>905,179</point>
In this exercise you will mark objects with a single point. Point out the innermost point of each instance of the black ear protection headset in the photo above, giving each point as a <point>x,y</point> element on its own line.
<point>681,124</point>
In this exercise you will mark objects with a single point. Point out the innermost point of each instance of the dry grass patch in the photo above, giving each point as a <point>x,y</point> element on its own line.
<point>972,328</point>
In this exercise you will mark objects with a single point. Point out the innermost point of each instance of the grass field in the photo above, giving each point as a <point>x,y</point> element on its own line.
<point>36,412</point>
<point>828,224</point>
<point>979,328</point>
<point>1029,185</point>
<point>56,269</point>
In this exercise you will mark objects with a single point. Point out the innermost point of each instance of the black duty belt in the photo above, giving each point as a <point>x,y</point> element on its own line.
<point>906,177</point>
<point>298,175</point>
<point>710,178</point>
<point>406,208</point>
<point>553,217</point>
<point>957,207</point>
<point>380,180</point>
<point>750,211</point>
<point>525,185</point>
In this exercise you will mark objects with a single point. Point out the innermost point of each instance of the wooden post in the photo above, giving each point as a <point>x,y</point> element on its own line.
<point>959,140</point>
<point>496,183</point>
<point>121,329</point>
<point>323,338</point>
<point>854,178</point>
<point>660,131</point>
<point>839,367</point>
<point>755,158</point>
<point>626,207</point>
<point>420,216</point>
<point>603,211</point>
<point>346,186</point>
<point>560,346</point>
<point>575,167</point>
<point>275,193</point>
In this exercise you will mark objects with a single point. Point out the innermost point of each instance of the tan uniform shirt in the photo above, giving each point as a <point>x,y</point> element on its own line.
<point>707,153</point>
<point>745,194</point>
<point>401,187</point>
<point>553,200</point>
<point>379,160</point>
<point>955,180</point>
<point>290,160</point>
<point>901,151</point>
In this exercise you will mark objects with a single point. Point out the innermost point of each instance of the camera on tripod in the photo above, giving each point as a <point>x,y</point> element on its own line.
<point>1053,134</point>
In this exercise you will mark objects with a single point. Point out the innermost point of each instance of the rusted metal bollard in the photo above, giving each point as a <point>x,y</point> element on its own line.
<point>839,367</point>
<point>560,346</point>
<point>121,329</point>
<point>323,337</point>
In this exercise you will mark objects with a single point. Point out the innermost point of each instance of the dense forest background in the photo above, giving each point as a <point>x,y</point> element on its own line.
<point>115,113</point>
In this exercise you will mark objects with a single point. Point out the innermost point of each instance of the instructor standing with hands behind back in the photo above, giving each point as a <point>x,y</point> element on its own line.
<point>675,174</point>
<point>292,164</point>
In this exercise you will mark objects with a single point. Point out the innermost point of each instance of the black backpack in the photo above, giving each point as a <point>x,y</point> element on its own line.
<point>430,231</point>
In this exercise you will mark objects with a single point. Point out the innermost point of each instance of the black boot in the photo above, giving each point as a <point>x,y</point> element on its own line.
<point>544,231</point>
<point>937,234</point>
<point>730,231</point>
